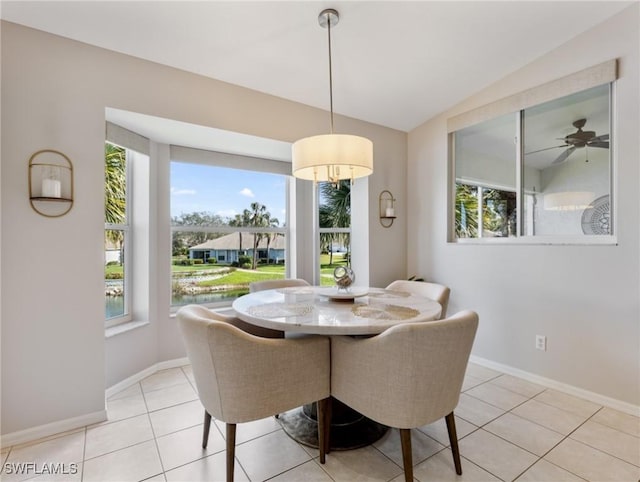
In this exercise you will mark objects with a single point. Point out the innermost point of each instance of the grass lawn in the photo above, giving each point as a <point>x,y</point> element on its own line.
<point>244,277</point>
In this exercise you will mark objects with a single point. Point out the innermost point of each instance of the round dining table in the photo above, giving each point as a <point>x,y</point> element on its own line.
<point>332,311</point>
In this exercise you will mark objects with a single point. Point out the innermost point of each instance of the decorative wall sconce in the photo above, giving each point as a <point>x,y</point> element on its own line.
<point>386,204</point>
<point>50,183</point>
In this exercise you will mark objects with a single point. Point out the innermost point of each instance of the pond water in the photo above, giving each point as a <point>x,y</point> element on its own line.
<point>114,305</point>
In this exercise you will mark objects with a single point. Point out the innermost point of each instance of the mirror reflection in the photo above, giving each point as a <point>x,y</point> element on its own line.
<point>564,182</point>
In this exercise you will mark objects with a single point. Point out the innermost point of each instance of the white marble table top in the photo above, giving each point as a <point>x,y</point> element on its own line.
<point>326,311</point>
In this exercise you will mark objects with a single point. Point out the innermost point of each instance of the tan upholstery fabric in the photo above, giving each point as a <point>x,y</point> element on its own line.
<point>273,284</point>
<point>241,377</point>
<point>408,376</point>
<point>238,323</point>
<point>434,291</point>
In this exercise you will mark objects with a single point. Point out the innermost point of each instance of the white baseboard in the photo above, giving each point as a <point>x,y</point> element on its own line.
<point>60,426</point>
<point>52,428</point>
<point>133,379</point>
<point>561,387</point>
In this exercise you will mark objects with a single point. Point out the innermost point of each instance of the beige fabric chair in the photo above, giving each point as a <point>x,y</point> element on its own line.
<point>235,374</point>
<point>435,291</point>
<point>406,377</point>
<point>273,284</point>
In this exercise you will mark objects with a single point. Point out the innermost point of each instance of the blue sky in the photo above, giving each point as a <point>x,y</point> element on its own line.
<point>224,191</point>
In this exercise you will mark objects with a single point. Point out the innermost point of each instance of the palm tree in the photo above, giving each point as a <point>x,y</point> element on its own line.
<point>239,221</point>
<point>115,186</point>
<point>257,219</point>
<point>271,223</point>
<point>335,212</point>
<point>466,211</point>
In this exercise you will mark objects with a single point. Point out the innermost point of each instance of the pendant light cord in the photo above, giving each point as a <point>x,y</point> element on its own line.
<point>330,71</point>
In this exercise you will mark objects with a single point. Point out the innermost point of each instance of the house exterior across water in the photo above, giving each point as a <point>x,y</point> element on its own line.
<point>228,248</point>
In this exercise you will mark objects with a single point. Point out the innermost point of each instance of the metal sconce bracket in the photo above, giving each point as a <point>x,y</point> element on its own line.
<point>387,208</point>
<point>50,183</point>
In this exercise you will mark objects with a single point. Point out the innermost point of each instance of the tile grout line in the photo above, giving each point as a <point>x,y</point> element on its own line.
<point>153,432</point>
<point>84,451</point>
<point>564,437</point>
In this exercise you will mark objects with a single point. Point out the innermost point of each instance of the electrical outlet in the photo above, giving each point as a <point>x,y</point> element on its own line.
<point>541,342</point>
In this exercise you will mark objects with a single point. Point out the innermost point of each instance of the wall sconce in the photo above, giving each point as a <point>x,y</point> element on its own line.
<point>50,183</point>
<point>386,204</point>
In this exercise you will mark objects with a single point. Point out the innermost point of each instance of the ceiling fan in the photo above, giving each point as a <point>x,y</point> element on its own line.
<point>577,140</point>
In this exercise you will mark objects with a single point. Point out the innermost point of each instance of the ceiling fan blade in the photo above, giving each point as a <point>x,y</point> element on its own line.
<point>604,145</point>
<point>603,137</point>
<point>545,149</point>
<point>563,157</point>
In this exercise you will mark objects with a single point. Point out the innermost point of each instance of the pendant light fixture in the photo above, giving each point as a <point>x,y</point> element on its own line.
<point>332,157</point>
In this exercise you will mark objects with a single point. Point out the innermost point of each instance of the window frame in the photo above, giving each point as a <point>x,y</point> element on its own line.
<point>602,74</point>
<point>209,160</point>
<point>318,231</point>
<point>127,272</point>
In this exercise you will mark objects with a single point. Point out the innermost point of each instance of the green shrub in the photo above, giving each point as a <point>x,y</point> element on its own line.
<point>212,261</point>
<point>197,261</point>
<point>113,276</point>
<point>243,260</point>
<point>184,261</point>
<point>113,263</point>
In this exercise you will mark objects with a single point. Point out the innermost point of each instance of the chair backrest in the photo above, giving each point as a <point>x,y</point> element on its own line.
<point>412,373</point>
<point>234,371</point>
<point>435,291</point>
<point>237,322</point>
<point>273,284</point>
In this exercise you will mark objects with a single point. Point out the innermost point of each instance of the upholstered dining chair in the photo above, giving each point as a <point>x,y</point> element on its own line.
<point>434,291</point>
<point>234,374</point>
<point>272,284</point>
<point>406,377</point>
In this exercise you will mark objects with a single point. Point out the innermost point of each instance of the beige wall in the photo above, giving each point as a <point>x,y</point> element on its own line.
<point>585,299</point>
<point>54,94</point>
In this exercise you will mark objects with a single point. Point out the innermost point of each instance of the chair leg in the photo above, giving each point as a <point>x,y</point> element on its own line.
<point>453,440</point>
<point>327,425</point>
<point>407,458</point>
<point>328,408</point>
<point>322,433</point>
<point>205,431</point>
<point>231,450</point>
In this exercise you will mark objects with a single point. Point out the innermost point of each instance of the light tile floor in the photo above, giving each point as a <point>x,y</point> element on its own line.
<point>509,429</point>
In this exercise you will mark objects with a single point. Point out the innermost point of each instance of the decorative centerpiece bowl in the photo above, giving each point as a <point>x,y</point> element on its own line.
<point>344,277</point>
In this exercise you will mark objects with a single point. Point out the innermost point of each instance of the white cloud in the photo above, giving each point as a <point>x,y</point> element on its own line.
<point>247,192</point>
<point>181,192</point>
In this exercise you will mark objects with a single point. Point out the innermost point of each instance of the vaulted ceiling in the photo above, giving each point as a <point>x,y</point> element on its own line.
<point>395,63</point>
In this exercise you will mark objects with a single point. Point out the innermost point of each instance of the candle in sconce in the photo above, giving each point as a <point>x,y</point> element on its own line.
<point>51,188</point>
<point>390,212</point>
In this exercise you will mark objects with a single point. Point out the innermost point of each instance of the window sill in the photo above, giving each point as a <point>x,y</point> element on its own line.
<point>123,328</point>
<point>542,241</point>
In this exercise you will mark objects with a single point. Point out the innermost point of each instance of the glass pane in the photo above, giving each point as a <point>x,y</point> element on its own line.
<point>114,273</point>
<point>222,266</point>
<point>115,179</point>
<point>567,165</point>
<point>498,213</point>
<point>334,213</point>
<point>485,156</point>
<point>466,211</point>
<point>214,266</point>
<point>335,250</point>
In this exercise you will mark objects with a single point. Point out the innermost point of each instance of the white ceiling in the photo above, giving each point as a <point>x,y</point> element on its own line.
<point>395,63</point>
